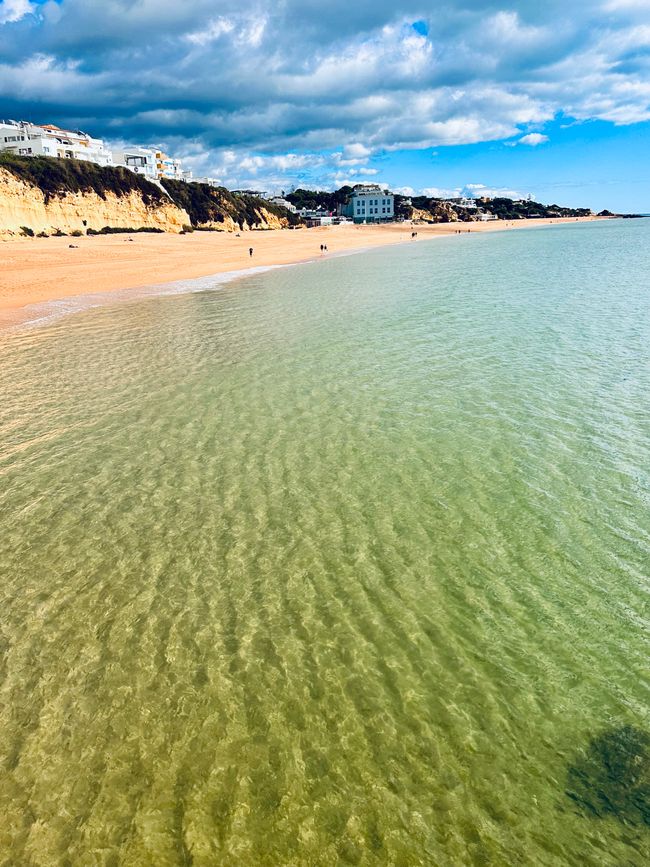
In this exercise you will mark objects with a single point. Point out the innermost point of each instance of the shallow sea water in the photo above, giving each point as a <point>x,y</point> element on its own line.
<point>346,563</point>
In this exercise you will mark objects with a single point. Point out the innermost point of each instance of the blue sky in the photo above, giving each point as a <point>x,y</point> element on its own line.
<point>441,96</point>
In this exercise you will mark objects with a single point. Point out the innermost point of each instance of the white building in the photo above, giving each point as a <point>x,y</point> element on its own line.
<point>168,167</point>
<point>210,182</point>
<point>368,203</point>
<point>312,213</point>
<point>281,202</point>
<point>28,139</point>
<point>463,202</point>
<point>141,161</point>
<point>258,194</point>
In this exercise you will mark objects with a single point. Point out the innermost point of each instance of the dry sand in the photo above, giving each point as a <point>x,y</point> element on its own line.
<point>33,271</point>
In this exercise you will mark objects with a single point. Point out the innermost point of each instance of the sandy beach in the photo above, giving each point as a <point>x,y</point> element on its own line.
<point>35,271</point>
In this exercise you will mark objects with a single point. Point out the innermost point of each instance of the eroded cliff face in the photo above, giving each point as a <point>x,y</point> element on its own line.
<point>265,220</point>
<point>22,204</point>
<point>440,212</point>
<point>272,221</point>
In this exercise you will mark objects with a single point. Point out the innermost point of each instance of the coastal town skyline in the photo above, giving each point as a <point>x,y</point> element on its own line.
<point>450,99</point>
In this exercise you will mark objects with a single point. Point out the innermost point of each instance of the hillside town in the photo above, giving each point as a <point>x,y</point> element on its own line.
<point>28,139</point>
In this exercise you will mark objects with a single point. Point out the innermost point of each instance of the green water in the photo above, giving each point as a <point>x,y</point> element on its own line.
<point>339,564</point>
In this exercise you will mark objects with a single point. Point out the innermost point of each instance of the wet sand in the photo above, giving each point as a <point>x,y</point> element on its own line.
<point>38,270</point>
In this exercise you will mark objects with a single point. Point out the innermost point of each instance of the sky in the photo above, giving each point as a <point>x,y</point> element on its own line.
<point>547,97</point>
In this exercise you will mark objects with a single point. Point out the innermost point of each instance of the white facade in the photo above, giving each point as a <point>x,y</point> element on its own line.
<point>313,213</point>
<point>210,182</point>
<point>168,167</point>
<point>368,203</point>
<point>258,194</point>
<point>463,202</point>
<point>141,161</point>
<point>27,139</point>
<point>316,218</point>
<point>282,203</point>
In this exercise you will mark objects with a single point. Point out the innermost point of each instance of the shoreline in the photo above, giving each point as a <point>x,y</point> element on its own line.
<point>47,274</point>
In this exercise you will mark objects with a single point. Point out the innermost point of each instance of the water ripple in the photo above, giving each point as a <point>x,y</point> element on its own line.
<point>346,563</point>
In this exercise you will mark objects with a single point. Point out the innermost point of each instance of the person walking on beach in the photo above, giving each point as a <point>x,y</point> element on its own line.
<point>250,252</point>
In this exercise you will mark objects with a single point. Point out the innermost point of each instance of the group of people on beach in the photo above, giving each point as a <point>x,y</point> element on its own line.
<point>323,249</point>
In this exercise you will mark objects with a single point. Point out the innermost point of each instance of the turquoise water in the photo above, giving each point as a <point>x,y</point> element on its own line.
<point>346,563</point>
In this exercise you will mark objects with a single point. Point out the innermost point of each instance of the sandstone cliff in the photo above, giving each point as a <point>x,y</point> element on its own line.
<point>218,209</point>
<point>22,204</point>
<point>437,212</point>
<point>42,195</point>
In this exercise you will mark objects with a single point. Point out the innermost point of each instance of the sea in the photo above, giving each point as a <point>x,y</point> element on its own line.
<point>345,563</point>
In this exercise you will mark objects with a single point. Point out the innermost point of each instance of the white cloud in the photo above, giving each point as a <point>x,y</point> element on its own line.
<point>439,192</point>
<point>298,91</point>
<point>477,191</point>
<point>214,30</point>
<point>624,5</point>
<point>14,10</point>
<point>533,139</point>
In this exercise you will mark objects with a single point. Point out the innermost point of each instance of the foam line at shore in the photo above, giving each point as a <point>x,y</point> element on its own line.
<point>46,312</point>
<point>47,269</point>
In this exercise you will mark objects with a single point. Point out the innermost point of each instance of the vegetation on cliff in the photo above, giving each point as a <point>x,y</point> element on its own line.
<point>317,199</point>
<point>430,210</point>
<point>57,177</point>
<point>206,205</point>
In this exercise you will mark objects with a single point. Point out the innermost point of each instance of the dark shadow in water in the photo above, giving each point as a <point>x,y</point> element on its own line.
<point>612,778</point>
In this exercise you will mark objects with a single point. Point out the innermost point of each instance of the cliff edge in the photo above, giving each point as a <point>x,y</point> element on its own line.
<point>47,196</point>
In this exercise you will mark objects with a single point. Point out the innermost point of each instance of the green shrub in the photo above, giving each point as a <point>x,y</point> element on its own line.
<point>42,235</point>
<point>77,233</point>
<point>118,230</point>
<point>56,177</point>
<point>314,199</point>
<point>26,232</point>
<point>206,204</point>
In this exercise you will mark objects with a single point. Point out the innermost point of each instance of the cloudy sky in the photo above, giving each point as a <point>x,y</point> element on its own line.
<point>550,97</point>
